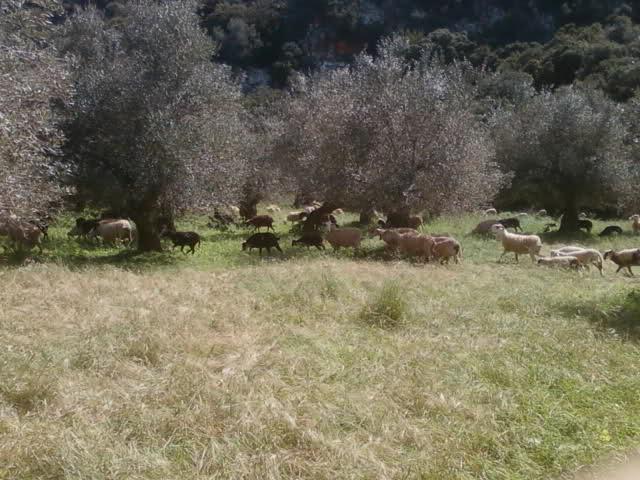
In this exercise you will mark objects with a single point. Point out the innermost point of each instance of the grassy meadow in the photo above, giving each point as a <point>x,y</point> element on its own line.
<point>315,365</point>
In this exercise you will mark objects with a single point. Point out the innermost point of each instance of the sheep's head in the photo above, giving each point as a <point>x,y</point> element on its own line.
<point>497,229</point>
<point>635,218</point>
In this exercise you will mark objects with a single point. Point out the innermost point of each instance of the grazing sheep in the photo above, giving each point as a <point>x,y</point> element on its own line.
<point>24,235</point>
<point>522,215</point>
<point>310,239</point>
<point>624,258</point>
<point>516,243</point>
<point>416,245</point>
<point>294,217</point>
<point>635,223</point>
<point>484,227</point>
<point>338,211</point>
<point>262,240</point>
<point>260,221</point>
<point>566,250</point>
<point>585,225</point>
<point>511,223</point>
<point>343,237</point>
<point>392,236</point>
<point>610,230</point>
<point>273,208</point>
<point>565,262</point>
<point>585,256</point>
<point>235,210</point>
<point>183,239</point>
<point>490,211</point>
<point>445,248</point>
<point>112,230</point>
<point>541,213</point>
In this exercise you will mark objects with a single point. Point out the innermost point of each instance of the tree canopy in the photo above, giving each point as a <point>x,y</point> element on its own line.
<point>155,124</point>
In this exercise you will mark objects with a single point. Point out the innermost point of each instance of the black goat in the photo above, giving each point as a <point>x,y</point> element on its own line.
<point>183,239</point>
<point>511,223</point>
<point>310,239</point>
<point>585,225</point>
<point>260,241</point>
<point>610,230</point>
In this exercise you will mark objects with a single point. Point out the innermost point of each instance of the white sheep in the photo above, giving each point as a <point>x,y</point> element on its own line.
<point>565,262</point>
<point>273,208</point>
<point>624,258</point>
<point>338,211</point>
<point>542,213</point>
<point>516,243</point>
<point>445,248</point>
<point>585,256</point>
<point>490,211</point>
<point>522,215</point>
<point>635,223</point>
<point>343,237</point>
<point>296,216</point>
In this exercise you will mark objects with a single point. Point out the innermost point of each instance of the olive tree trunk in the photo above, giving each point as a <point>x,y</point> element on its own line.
<point>569,222</point>
<point>148,234</point>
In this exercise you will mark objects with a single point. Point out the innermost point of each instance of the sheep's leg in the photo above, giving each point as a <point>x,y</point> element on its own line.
<point>630,272</point>
<point>517,261</point>
<point>260,250</point>
<point>278,248</point>
<point>502,256</point>
<point>620,268</point>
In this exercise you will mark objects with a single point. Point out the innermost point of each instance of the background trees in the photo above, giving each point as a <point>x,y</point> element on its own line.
<point>155,124</point>
<point>32,79</point>
<point>390,134</point>
<point>566,150</point>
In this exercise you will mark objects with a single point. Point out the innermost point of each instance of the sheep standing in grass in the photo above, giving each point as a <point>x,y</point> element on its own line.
<point>584,256</point>
<point>445,248</point>
<point>541,213</point>
<point>416,245</point>
<point>343,237</point>
<point>490,211</point>
<point>635,223</point>
<point>516,243</point>
<point>565,262</point>
<point>392,236</point>
<point>624,258</point>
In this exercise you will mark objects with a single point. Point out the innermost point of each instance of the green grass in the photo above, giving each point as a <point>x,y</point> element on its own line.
<point>314,364</point>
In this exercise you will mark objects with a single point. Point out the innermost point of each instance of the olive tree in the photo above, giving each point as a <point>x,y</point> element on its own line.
<point>32,79</point>
<point>155,126</point>
<point>391,134</point>
<point>566,150</point>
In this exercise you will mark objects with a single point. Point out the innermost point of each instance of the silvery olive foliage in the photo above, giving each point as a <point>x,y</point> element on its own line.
<point>566,149</point>
<point>385,132</point>
<point>156,125</point>
<point>32,80</point>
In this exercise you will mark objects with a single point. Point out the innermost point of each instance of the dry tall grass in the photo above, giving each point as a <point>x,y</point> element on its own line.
<point>275,371</point>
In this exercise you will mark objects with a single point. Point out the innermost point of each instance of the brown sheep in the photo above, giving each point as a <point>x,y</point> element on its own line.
<point>445,248</point>
<point>344,237</point>
<point>260,221</point>
<point>416,245</point>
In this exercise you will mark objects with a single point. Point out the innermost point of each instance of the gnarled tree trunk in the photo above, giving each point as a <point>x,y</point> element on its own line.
<point>569,222</point>
<point>366,216</point>
<point>398,218</point>
<point>148,234</point>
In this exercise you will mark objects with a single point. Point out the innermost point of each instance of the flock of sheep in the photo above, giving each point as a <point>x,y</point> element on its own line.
<point>318,224</point>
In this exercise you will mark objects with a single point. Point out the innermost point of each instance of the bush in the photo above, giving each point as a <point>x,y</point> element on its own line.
<point>387,309</point>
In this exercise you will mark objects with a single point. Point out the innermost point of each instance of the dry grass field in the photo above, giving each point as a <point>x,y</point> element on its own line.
<point>314,365</point>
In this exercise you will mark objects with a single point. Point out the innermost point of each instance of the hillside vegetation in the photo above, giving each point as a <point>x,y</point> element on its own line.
<point>313,365</point>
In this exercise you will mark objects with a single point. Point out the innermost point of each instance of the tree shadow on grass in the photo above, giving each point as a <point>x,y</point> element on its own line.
<point>620,317</point>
